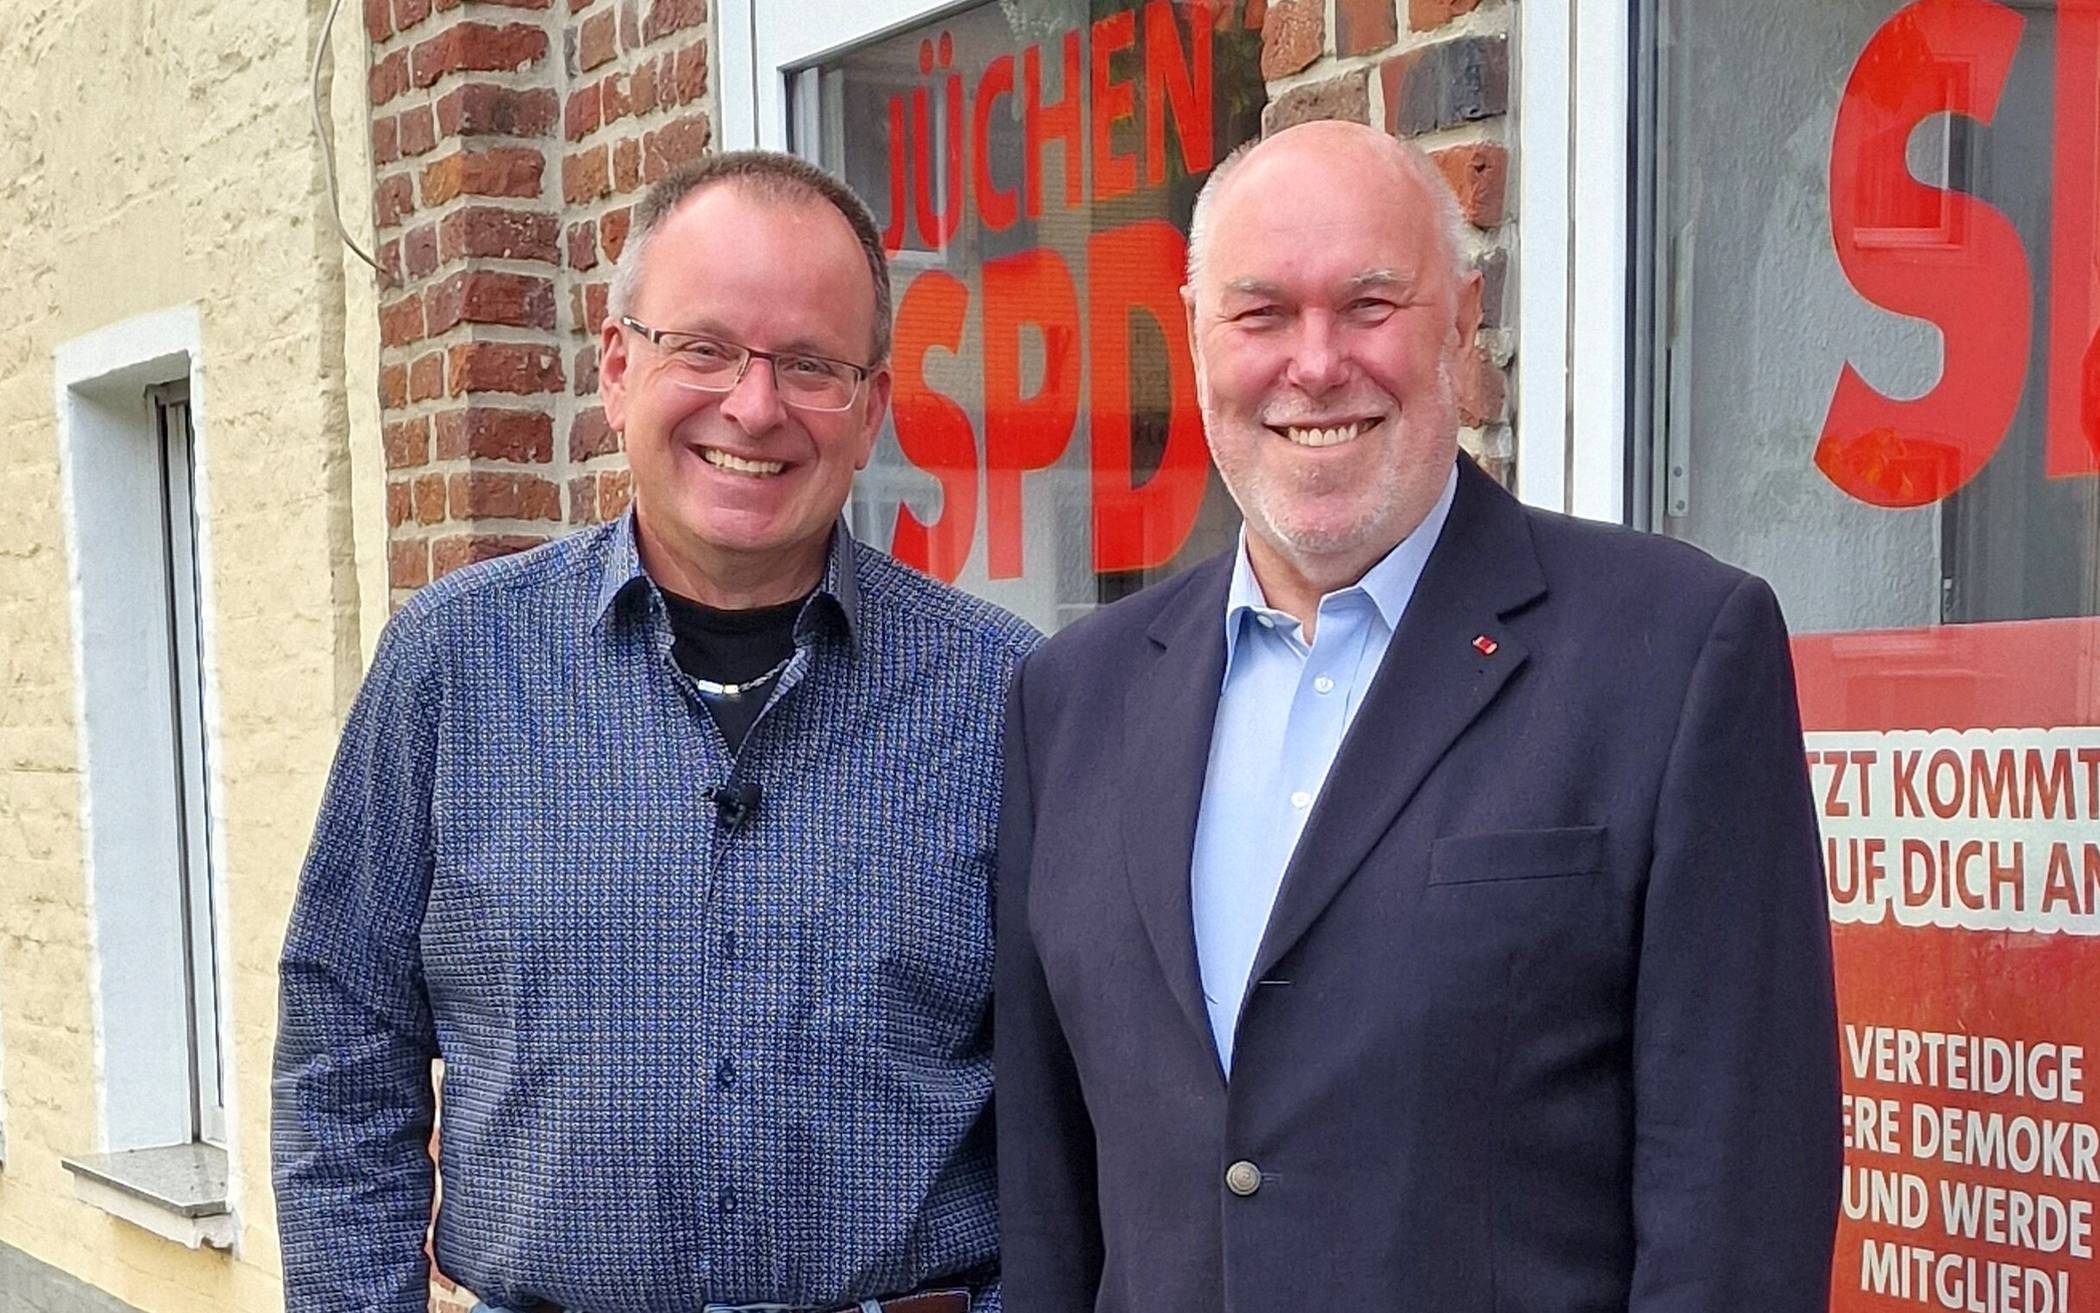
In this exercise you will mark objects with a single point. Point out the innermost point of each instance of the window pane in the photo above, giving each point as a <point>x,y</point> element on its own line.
<point>1877,303</point>
<point>1034,164</point>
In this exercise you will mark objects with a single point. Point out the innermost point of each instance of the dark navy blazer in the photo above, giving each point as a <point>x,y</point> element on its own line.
<point>1543,1017</point>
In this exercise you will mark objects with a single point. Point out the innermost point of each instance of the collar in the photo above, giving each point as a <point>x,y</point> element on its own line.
<point>838,591</point>
<point>1389,583</point>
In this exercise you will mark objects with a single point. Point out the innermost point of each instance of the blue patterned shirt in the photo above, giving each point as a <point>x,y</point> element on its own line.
<point>684,1061</point>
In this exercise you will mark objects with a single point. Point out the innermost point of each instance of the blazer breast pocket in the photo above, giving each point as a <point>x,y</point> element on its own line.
<point>1510,855</point>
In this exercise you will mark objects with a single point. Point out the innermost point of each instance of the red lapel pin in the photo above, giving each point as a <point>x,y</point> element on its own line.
<point>1485,645</point>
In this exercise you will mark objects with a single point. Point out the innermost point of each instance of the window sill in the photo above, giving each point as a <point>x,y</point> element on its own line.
<point>177,1192</point>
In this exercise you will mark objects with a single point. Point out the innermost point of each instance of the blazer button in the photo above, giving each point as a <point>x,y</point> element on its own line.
<point>1243,1178</point>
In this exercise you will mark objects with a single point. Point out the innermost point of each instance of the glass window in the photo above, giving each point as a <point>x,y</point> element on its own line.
<point>1034,163</point>
<point>1874,382</point>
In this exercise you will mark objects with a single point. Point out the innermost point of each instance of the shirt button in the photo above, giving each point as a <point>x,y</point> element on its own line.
<point>1301,800</point>
<point>725,1073</point>
<point>1265,622</point>
<point>725,1202</point>
<point>1243,1178</point>
<point>1323,684</point>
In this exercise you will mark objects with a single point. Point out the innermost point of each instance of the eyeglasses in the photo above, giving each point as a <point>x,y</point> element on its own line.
<point>713,364</point>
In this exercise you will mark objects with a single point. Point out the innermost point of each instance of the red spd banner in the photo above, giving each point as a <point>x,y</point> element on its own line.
<point>1957,771</point>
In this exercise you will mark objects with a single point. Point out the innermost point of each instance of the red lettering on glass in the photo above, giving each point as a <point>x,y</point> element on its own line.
<point>1928,252</point>
<point>893,232</point>
<point>2074,288</point>
<point>997,208</point>
<point>1041,124</point>
<point>1022,434</point>
<point>1137,269</point>
<point>1182,82</point>
<point>937,229</point>
<point>933,431</point>
<point>1114,175</point>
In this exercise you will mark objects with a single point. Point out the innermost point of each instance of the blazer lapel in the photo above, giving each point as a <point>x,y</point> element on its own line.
<point>1433,682</point>
<point>1168,715</point>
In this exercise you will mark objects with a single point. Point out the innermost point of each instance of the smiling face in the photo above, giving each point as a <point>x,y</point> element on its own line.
<point>736,492</point>
<point>1326,320</point>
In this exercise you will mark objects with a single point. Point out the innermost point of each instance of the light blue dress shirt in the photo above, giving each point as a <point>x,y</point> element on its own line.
<point>1282,711</point>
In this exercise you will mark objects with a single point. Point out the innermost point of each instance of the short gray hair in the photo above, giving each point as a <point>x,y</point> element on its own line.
<point>767,175</point>
<point>1450,221</point>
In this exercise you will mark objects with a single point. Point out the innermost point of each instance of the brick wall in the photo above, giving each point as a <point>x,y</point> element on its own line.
<point>1438,73</point>
<point>509,138</point>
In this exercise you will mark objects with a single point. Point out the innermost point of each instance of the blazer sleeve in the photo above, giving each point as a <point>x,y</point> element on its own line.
<point>1051,1244</point>
<point>1737,1142</point>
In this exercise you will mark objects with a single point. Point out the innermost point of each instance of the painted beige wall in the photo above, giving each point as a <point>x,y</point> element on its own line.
<point>158,153</point>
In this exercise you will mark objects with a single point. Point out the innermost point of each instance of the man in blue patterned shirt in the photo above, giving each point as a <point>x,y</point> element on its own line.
<point>673,840</point>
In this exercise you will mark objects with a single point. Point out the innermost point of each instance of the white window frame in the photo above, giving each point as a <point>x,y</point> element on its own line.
<point>762,43</point>
<point>1574,215</point>
<point>145,704</point>
<point>1573,71</point>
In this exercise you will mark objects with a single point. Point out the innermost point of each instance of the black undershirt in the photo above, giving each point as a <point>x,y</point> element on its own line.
<point>732,647</point>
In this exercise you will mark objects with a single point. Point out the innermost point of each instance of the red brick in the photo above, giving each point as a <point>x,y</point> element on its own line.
<point>389,257</point>
<point>613,100</point>
<point>1479,174</point>
<point>451,553</point>
<point>498,171</point>
<point>585,176</point>
<point>485,230</point>
<point>408,13</point>
<point>496,433</point>
<point>679,142</point>
<point>627,164</point>
<point>590,435</point>
<point>578,6</point>
<point>400,503</point>
<point>586,371</point>
<point>581,119</point>
<point>668,16</point>
<point>583,499</point>
<point>689,80</point>
<point>393,387</point>
<point>418,131</point>
<point>615,490</point>
<point>394,200</point>
<point>1361,26</point>
<point>430,499</point>
<point>612,232</point>
<point>1422,15</point>
<point>631,24</point>
<point>407,563</point>
<point>421,247</point>
<point>493,495</point>
<point>583,245</point>
<point>1483,392</point>
<point>480,296</point>
<point>482,109</point>
<point>1347,97</point>
<point>519,368</point>
<point>426,376</point>
<point>406,443</point>
<point>386,141</point>
<point>595,296</point>
<point>517,4</point>
<point>597,41</point>
<point>379,24</point>
<point>402,322</point>
<point>388,78</point>
<point>1292,35</point>
<point>478,48</point>
<point>641,88</point>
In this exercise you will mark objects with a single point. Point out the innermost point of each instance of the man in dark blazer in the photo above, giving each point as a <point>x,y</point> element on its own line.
<point>1418,907</point>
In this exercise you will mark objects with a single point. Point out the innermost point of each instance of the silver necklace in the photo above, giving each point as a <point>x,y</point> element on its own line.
<point>710,688</point>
